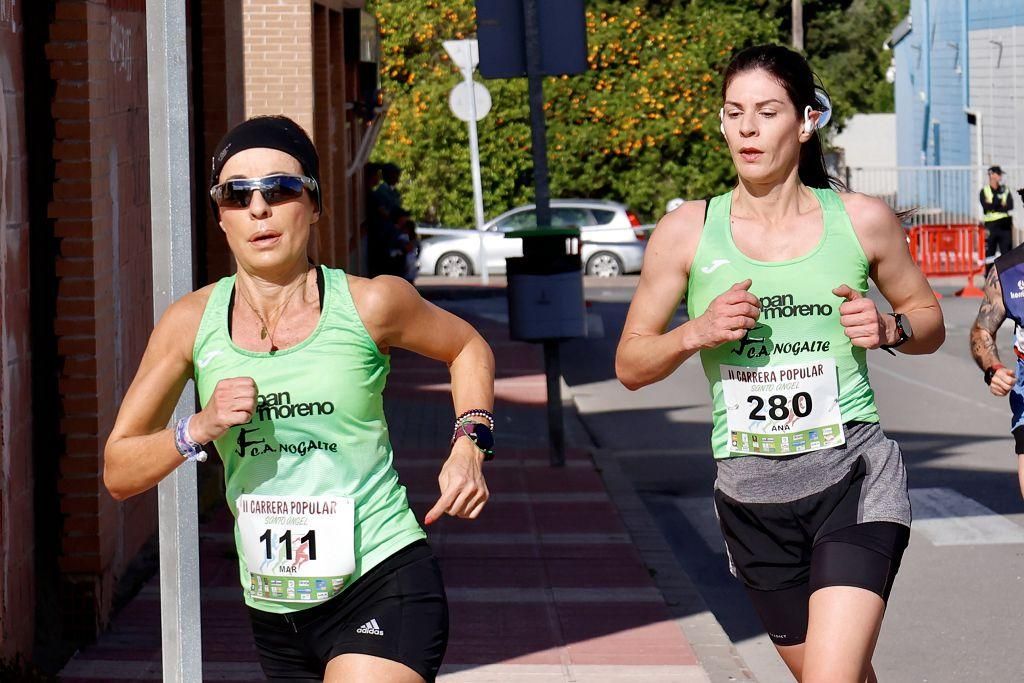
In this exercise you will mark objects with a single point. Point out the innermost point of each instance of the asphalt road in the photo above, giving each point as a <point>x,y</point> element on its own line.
<point>958,602</point>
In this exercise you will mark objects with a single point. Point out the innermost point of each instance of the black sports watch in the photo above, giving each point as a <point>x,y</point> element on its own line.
<point>904,330</point>
<point>481,436</point>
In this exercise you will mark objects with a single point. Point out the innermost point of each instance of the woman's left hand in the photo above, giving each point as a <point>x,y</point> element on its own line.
<point>463,489</point>
<point>860,318</point>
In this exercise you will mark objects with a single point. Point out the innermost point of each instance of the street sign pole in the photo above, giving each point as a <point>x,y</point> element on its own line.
<point>474,161</point>
<point>552,347</point>
<point>167,77</point>
<point>466,56</point>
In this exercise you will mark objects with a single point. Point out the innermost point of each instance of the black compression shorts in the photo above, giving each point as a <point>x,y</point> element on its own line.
<point>783,552</point>
<point>396,611</point>
<point>1018,440</point>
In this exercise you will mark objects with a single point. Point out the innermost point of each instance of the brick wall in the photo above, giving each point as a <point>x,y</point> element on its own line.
<point>294,65</point>
<point>17,605</point>
<point>278,61</point>
<point>100,211</point>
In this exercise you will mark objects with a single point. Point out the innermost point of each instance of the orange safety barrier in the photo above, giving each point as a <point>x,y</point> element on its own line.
<point>950,250</point>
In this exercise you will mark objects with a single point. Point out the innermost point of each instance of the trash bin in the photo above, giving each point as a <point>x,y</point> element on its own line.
<point>545,285</point>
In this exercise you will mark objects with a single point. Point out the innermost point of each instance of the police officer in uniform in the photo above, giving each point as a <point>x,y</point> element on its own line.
<point>996,204</point>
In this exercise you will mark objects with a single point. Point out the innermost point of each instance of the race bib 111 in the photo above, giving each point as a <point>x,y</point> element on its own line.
<point>297,548</point>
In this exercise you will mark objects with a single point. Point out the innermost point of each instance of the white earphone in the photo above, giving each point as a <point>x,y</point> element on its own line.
<point>809,125</point>
<point>721,120</point>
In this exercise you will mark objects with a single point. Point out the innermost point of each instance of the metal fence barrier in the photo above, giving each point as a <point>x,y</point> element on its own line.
<point>936,195</point>
<point>950,250</point>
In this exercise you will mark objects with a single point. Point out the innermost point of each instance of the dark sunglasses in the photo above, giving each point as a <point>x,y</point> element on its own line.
<point>274,189</point>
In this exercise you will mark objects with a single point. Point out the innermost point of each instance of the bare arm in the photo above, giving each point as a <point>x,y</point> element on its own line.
<point>140,450</point>
<point>991,315</point>
<point>397,316</point>
<point>898,278</point>
<point>647,352</point>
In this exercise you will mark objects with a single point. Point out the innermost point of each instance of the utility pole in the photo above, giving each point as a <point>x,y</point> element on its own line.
<point>177,499</point>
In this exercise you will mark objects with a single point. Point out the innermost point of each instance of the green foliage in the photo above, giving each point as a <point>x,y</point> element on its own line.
<point>641,126</point>
<point>844,45</point>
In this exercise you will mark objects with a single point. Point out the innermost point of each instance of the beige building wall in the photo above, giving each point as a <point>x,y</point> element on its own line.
<point>278,39</point>
<point>295,63</point>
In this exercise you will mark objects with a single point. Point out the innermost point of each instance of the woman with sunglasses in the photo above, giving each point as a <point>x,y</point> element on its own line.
<point>811,495</point>
<point>289,361</point>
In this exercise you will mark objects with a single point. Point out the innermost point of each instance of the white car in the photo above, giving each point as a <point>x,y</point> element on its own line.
<point>610,242</point>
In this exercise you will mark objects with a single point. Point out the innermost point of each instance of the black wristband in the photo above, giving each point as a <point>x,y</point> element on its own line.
<point>991,372</point>
<point>903,337</point>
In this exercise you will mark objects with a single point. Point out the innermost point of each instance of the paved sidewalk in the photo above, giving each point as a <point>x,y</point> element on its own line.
<point>549,584</point>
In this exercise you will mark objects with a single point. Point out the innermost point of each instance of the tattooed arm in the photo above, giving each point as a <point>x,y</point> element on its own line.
<point>983,335</point>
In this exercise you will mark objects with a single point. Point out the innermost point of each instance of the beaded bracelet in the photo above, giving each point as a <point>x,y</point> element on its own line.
<point>477,412</point>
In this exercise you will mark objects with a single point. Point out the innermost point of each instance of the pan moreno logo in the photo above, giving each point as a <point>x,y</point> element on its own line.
<point>785,306</point>
<point>254,440</point>
<point>279,406</point>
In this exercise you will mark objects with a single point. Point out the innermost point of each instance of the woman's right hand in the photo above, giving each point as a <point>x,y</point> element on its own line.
<point>728,317</point>
<point>232,403</point>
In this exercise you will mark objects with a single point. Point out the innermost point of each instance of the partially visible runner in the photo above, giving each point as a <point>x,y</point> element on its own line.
<point>290,361</point>
<point>811,495</point>
<point>1006,276</point>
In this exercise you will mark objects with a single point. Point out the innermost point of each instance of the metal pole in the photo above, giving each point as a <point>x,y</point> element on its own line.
<point>474,156</point>
<point>552,369</point>
<point>167,79</point>
<point>538,125</point>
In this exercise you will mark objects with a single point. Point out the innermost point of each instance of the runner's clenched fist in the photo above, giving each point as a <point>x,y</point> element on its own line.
<point>232,403</point>
<point>860,318</point>
<point>729,316</point>
<point>1002,382</point>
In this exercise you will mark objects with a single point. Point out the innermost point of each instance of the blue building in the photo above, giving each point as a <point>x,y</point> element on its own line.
<point>959,79</point>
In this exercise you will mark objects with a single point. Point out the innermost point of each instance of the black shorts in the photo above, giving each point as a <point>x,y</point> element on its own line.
<point>783,552</point>
<point>1018,440</point>
<point>397,611</point>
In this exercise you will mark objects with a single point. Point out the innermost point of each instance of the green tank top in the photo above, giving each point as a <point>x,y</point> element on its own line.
<point>799,321</point>
<point>318,429</point>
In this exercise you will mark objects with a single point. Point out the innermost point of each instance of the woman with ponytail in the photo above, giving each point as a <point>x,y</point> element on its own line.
<point>811,495</point>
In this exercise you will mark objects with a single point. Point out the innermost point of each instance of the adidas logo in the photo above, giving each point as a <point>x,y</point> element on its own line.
<point>370,628</point>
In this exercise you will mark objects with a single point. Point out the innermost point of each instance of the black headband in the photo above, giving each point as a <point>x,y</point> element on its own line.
<point>272,132</point>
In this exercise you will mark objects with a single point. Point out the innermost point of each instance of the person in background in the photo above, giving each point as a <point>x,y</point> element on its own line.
<point>996,205</point>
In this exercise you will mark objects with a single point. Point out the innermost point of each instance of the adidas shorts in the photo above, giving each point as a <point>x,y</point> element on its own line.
<point>396,611</point>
